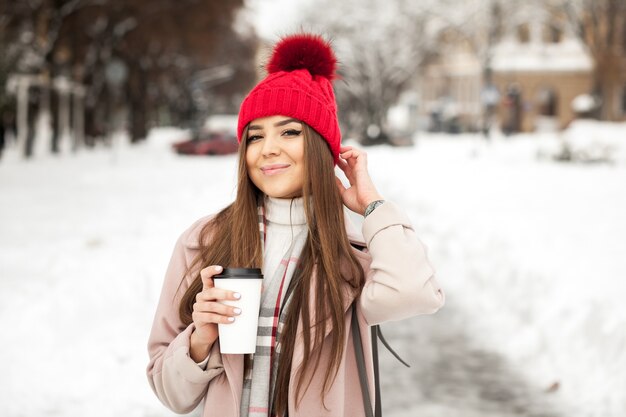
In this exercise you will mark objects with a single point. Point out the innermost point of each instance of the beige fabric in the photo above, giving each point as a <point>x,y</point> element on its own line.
<point>400,283</point>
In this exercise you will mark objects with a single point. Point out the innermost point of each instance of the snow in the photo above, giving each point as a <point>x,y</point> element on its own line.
<point>529,250</point>
<point>222,123</point>
<point>584,103</point>
<point>588,140</point>
<point>565,56</point>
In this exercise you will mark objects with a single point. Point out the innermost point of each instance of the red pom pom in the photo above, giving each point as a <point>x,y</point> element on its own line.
<point>304,51</point>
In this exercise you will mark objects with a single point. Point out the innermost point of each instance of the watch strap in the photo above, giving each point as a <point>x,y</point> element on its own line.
<point>371,206</point>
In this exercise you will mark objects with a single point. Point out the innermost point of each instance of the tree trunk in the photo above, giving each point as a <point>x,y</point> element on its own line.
<point>608,82</point>
<point>137,97</point>
<point>138,128</point>
<point>54,119</point>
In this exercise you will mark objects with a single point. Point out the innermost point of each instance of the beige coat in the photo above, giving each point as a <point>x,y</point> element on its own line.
<point>400,283</point>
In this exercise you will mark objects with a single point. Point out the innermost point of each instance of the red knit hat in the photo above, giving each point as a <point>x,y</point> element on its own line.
<point>298,85</point>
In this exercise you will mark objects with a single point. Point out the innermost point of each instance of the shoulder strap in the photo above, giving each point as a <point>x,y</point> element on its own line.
<point>360,358</point>
<point>379,333</point>
<point>360,361</point>
<point>378,401</point>
<point>376,328</point>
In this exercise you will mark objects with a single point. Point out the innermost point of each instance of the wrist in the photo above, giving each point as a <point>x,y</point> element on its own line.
<point>369,199</point>
<point>372,206</point>
<point>198,350</point>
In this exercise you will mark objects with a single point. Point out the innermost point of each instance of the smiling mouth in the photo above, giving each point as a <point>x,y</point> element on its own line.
<point>274,169</point>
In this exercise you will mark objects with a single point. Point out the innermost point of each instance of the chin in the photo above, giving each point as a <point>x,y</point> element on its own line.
<point>277,192</point>
<point>283,194</point>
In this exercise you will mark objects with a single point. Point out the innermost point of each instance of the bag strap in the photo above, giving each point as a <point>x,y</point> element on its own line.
<point>386,344</point>
<point>360,361</point>
<point>378,401</point>
<point>376,333</point>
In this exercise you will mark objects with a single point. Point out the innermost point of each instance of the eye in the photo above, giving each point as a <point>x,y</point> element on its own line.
<point>292,132</point>
<point>254,138</point>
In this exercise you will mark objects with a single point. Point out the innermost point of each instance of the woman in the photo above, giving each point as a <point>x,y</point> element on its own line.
<point>288,219</point>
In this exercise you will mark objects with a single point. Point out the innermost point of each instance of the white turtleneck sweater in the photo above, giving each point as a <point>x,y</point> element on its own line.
<point>285,219</point>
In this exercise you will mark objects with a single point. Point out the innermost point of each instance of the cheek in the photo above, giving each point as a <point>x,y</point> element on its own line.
<point>296,151</point>
<point>297,155</point>
<point>253,174</point>
<point>250,159</point>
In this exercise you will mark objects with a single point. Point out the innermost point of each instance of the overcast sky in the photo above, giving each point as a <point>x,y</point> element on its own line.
<point>273,18</point>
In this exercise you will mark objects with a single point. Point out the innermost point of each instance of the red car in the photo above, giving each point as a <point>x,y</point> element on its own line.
<point>208,144</point>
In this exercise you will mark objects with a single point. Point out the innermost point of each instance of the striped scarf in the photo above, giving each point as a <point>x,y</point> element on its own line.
<point>260,376</point>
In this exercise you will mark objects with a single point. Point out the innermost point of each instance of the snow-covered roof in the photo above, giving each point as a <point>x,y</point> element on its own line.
<point>565,56</point>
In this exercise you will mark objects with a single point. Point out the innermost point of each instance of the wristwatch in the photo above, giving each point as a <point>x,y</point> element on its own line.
<point>372,206</point>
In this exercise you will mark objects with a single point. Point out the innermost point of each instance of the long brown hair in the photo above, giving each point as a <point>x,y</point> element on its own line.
<point>231,238</point>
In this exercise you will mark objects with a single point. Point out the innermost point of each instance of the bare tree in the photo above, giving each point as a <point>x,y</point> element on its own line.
<point>601,26</point>
<point>380,46</point>
<point>161,44</point>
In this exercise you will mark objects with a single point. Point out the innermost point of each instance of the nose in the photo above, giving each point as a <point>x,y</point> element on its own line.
<point>271,146</point>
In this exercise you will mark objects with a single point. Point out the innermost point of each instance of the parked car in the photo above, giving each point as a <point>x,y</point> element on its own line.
<point>208,143</point>
<point>217,136</point>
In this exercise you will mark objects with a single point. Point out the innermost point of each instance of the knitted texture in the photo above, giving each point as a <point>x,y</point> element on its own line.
<point>299,85</point>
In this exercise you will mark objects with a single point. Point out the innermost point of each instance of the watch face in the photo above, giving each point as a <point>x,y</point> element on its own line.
<point>372,206</point>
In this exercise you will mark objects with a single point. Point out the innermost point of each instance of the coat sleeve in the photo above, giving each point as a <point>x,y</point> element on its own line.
<point>400,282</point>
<point>178,381</point>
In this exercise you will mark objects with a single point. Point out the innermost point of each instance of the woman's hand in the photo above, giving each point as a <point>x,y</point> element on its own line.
<point>361,193</point>
<point>208,312</point>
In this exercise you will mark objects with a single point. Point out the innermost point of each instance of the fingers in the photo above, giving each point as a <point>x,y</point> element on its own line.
<point>341,163</point>
<point>215,294</point>
<point>214,312</point>
<point>350,156</point>
<point>352,153</point>
<point>200,319</point>
<point>207,275</point>
<point>215,307</point>
<point>208,309</point>
<point>209,292</point>
<point>354,163</point>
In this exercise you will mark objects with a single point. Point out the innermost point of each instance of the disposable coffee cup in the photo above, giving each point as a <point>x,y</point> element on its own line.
<point>240,336</point>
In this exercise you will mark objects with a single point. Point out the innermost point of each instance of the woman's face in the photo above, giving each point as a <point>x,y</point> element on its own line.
<point>275,156</point>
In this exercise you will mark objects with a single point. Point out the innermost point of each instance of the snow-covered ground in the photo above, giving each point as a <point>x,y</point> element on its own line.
<point>530,252</point>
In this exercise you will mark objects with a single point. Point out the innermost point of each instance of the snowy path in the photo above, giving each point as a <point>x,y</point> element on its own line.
<point>451,376</point>
<point>530,254</point>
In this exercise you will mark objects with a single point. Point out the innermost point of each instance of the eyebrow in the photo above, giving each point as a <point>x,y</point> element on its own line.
<point>277,124</point>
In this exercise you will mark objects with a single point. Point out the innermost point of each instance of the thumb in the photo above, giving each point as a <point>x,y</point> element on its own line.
<point>206,274</point>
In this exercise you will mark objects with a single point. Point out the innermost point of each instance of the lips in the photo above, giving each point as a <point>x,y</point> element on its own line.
<point>274,168</point>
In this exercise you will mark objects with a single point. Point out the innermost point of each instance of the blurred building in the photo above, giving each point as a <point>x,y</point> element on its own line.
<point>527,79</point>
<point>539,69</point>
<point>450,88</point>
